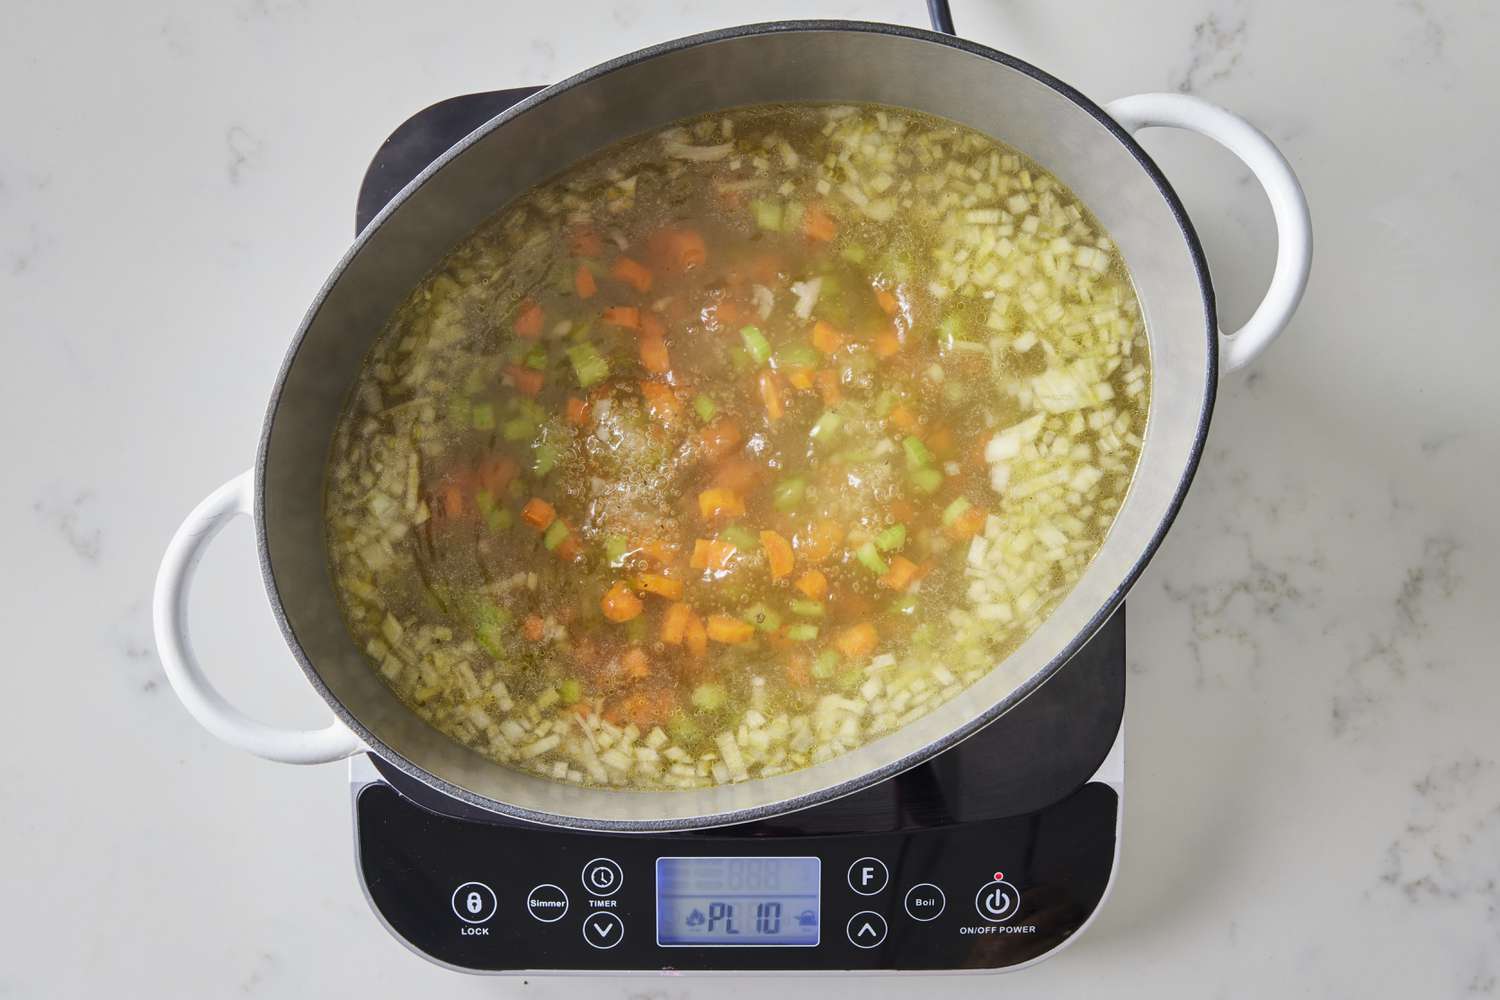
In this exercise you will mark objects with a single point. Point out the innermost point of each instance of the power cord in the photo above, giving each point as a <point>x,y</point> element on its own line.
<point>942,17</point>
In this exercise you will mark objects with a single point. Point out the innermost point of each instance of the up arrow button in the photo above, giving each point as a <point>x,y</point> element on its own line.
<point>866,929</point>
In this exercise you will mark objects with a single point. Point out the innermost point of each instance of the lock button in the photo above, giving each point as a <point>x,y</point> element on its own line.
<point>474,902</point>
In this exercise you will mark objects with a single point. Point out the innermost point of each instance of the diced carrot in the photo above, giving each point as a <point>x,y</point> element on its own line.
<point>679,249</point>
<point>628,317</point>
<point>778,554</point>
<point>697,637</point>
<point>968,524</point>
<point>902,510</point>
<point>584,283</point>
<point>620,604</point>
<point>730,631</point>
<point>586,242</point>
<point>940,440</point>
<point>578,411</point>
<point>528,381</point>
<point>818,224</point>
<point>800,378</point>
<point>654,356</point>
<point>739,474</point>
<point>814,584</point>
<point>674,624</point>
<point>645,708</point>
<point>828,386</point>
<point>902,418</point>
<point>533,627</point>
<point>765,268</point>
<point>661,401</point>
<point>819,540</point>
<point>887,301</point>
<point>496,473</point>
<point>857,641</point>
<point>651,324</point>
<point>720,439</point>
<point>725,314</point>
<point>538,513</point>
<point>903,572</point>
<point>633,273</point>
<point>453,500</point>
<point>886,345</point>
<point>655,583</point>
<point>569,550</point>
<point>529,320</point>
<point>720,502</point>
<point>770,394</point>
<point>582,709</point>
<point>636,664</point>
<point>825,338</point>
<point>713,554</point>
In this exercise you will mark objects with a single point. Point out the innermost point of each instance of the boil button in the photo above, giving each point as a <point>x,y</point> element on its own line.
<point>547,903</point>
<point>924,902</point>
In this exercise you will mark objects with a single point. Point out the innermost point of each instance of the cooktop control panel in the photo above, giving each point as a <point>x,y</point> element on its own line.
<point>488,897</point>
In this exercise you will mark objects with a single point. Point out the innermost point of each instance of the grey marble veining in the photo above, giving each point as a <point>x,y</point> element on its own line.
<point>1313,764</point>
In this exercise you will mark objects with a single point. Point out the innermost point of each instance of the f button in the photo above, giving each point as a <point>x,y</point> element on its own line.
<point>867,876</point>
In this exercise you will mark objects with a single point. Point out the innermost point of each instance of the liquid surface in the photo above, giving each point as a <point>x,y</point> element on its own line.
<point>737,446</point>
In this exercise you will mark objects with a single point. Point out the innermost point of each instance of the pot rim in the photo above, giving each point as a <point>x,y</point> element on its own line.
<point>913,758</point>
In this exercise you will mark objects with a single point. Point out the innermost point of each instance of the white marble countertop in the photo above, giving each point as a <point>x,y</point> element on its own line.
<point>1313,804</point>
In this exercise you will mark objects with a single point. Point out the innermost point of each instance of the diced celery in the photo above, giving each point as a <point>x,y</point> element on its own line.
<point>556,532</point>
<point>955,510</point>
<point>740,537</point>
<point>570,691</point>
<point>950,328</point>
<point>826,665</point>
<point>756,344</point>
<point>886,402</point>
<point>802,632</point>
<point>459,412</point>
<point>807,609</point>
<point>740,359</point>
<point>791,217</point>
<point>767,214</point>
<point>490,623</point>
<point>869,557</point>
<point>589,365</point>
<point>787,495</point>
<point>854,253</point>
<point>917,453</point>
<point>536,358</point>
<point>705,407</point>
<point>500,519</point>
<point>482,416</point>
<point>891,538</point>
<point>614,549</point>
<point>474,382</point>
<point>709,697</point>
<point>826,426</point>
<point>928,480</point>
<point>762,617</point>
<point>798,356</point>
<point>905,605</point>
<point>545,458</point>
<point>636,630</point>
<point>518,429</point>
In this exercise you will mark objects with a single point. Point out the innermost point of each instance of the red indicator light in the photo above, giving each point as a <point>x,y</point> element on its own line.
<point>999,876</point>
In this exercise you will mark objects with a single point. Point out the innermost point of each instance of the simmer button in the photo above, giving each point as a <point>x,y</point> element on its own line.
<point>547,903</point>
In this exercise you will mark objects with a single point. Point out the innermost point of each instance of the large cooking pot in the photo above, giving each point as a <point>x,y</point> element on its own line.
<point>1089,148</point>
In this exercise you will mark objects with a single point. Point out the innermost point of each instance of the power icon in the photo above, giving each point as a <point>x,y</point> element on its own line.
<point>997,901</point>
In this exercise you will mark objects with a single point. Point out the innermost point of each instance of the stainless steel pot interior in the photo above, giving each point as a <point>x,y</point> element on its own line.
<point>802,61</point>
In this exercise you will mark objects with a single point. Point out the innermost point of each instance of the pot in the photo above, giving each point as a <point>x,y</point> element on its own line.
<point>1089,148</point>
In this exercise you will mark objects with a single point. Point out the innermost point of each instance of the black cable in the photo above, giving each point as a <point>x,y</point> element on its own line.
<point>942,17</point>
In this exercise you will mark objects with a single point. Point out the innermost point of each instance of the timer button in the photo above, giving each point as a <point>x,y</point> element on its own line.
<point>925,902</point>
<point>474,902</point>
<point>602,877</point>
<point>547,903</point>
<point>867,876</point>
<point>997,901</point>
<point>603,930</point>
<point>866,929</point>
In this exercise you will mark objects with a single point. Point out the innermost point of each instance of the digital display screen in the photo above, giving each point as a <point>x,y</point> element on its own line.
<point>718,902</point>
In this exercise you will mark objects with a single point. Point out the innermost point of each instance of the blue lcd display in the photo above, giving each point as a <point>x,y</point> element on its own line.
<point>719,902</point>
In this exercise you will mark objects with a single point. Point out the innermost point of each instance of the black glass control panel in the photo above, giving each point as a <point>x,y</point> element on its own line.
<point>983,895</point>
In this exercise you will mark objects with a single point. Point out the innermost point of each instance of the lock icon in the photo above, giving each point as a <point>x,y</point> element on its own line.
<point>474,902</point>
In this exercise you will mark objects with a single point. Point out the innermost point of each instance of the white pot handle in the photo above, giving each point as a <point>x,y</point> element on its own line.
<point>202,700</point>
<point>1288,203</point>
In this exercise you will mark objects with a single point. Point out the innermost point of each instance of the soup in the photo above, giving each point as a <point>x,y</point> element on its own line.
<point>737,446</point>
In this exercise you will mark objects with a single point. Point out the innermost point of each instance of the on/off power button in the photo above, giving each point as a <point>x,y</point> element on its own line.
<point>997,901</point>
